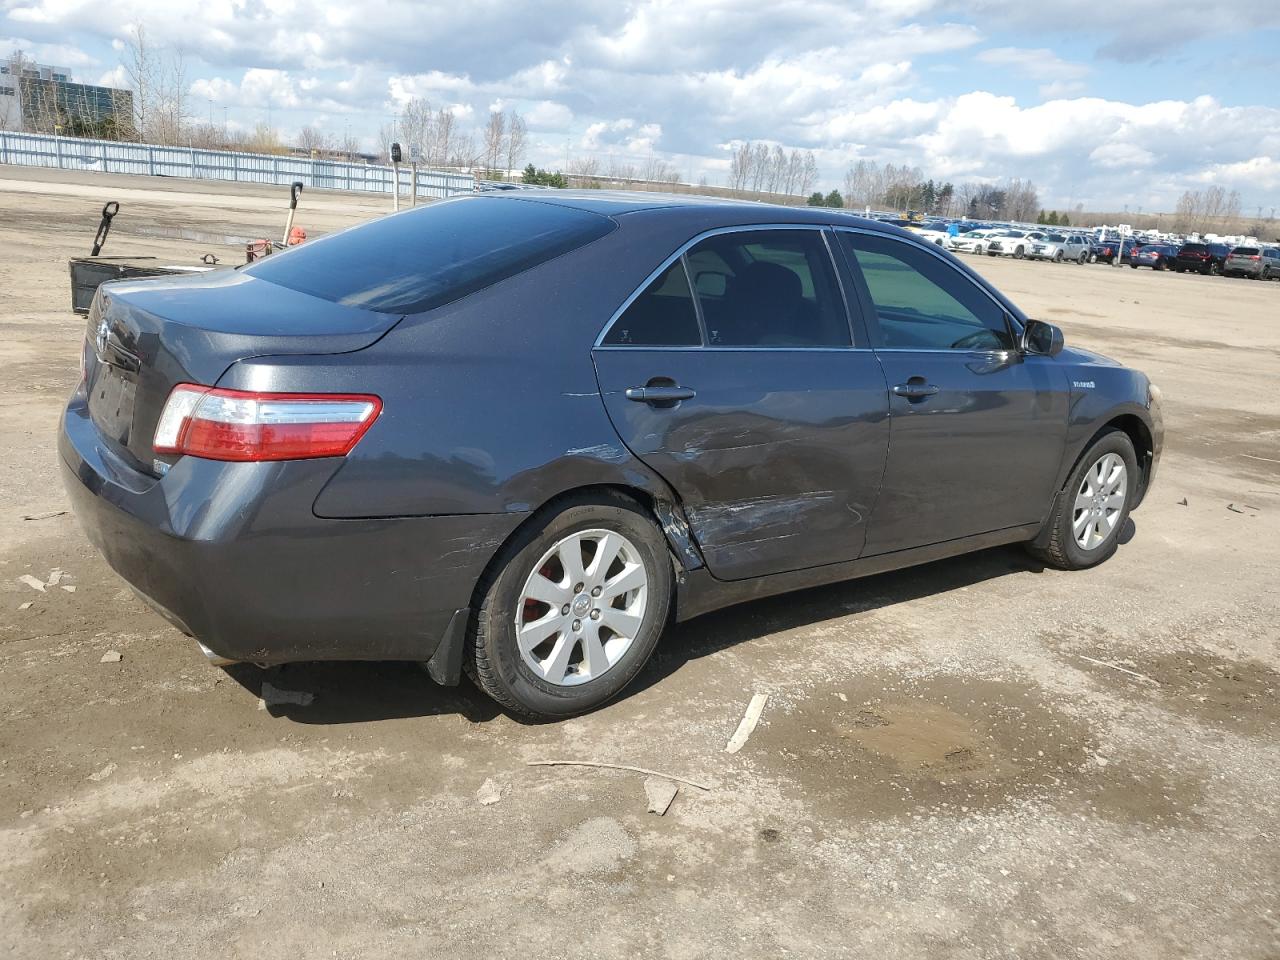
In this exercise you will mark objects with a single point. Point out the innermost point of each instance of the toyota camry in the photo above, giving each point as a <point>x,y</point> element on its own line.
<point>517,436</point>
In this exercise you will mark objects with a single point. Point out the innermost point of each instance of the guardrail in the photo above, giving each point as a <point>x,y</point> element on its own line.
<point>108,156</point>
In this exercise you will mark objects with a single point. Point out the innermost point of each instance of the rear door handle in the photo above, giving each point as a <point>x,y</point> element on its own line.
<point>660,394</point>
<point>915,389</point>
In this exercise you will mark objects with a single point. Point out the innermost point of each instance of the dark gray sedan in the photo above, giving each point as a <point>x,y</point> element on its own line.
<point>518,435</point>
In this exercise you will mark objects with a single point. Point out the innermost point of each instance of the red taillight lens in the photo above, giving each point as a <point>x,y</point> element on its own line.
<point>241,425</point>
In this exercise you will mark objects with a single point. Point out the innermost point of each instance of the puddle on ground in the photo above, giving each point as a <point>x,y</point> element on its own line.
<point>1243,695</point>
<point>951,745</point>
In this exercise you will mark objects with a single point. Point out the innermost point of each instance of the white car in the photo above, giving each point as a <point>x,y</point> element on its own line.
<point>931,236</point>
<point>975,241</point>
<point>1059,247</point>
<point>1013,243</point>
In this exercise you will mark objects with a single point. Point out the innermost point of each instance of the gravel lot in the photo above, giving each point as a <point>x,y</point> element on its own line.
<point>974,759</point>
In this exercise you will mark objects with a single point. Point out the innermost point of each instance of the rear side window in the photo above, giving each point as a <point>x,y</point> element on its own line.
<point>921,302</point>
<point>769,288</point>
<point>662,316</point>
<point>432,255</point>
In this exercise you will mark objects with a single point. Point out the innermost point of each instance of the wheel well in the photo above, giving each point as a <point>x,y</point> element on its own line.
<point>666,514</point>
<point>1139,436</point>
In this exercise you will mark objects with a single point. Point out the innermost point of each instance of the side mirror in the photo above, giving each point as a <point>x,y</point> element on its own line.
<point>1042,338</point>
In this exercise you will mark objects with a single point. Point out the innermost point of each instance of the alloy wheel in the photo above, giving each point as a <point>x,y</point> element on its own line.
<point>1100,502</point>
<point>582,607</point>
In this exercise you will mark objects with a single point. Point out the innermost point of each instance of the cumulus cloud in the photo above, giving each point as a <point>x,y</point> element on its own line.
<point>906,81</point>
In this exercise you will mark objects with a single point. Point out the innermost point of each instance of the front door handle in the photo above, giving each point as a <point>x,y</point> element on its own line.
<point>915,389</point>
<point>660,394</point>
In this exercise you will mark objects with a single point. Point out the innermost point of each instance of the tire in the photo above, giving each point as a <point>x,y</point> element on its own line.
<point>1057,256</point>
<point>1082,258</point>
<point>1133,266</point>
<point>1063,549</point>
<point>1019,253</point>
<point>1161,266</point>
<point>494,660</point>
<point>1093,258</point>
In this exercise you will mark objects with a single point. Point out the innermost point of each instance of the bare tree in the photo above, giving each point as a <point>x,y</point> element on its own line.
<point>417,129</point>
<point>808,174</point>
<point>516,140</point>
<point>495,133</point>
<point>314,141</point>
<point>442,138</point>
<point>585,168</point>
<point>142,66</point>
<point>349,146</point>
<point>386,136</point>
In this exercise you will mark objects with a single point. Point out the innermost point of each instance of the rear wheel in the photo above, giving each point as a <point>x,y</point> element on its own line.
<point>1082,258</point>
<point>572,609</point>
<point>1093,258</point>
<point>1084,529</point>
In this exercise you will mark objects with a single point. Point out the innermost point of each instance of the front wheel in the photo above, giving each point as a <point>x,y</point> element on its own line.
<point>1019,253</point>
<point>1084,529</point>
<point>572,609</point>
<point>1093,258</point>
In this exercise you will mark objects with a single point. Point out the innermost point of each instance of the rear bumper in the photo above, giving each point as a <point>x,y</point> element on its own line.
<point>1246,268</point>
<point>232,554</point>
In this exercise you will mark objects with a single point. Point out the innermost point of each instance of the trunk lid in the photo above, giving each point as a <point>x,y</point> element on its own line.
<point>145,336</point>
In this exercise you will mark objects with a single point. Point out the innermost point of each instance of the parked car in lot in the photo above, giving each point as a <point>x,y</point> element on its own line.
<point>1104,251</point>
<point>1201,257</point>
<point>1059,247</point>
<point>975,241</point>
<point>1258,263</point>
<point>517,434</point>
<point>1157,256</point>
<point>1013,243</point>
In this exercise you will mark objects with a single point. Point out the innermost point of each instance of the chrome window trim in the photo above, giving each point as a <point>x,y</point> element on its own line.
<point>1015,328</point>
<point>684,248</point>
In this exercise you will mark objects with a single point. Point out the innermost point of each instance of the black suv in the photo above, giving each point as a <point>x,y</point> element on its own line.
<point>1202,257</point>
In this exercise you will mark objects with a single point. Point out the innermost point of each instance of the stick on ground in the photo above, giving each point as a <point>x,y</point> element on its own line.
<point>749,721</point>
<point>1116,666</point>
<point>615,766</point>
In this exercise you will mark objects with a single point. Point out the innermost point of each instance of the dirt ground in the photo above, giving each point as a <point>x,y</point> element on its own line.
<point>973,759</point>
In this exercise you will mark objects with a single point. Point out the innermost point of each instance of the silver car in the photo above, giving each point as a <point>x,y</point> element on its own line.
<point>1059,247</point>
<point>1257,263</point>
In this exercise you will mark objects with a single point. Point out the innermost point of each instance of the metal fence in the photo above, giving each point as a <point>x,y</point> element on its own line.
<point>107,156</point>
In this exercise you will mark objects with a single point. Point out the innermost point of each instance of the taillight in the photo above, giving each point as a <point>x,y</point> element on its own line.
<point>241,425</point>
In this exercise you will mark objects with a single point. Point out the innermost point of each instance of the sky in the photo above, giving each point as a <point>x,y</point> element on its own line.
<point>1098,103</point>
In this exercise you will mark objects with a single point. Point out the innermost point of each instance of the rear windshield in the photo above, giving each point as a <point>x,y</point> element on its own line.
<point>1194,247</point>
<point>1246,251</point>
<point>431,255</point>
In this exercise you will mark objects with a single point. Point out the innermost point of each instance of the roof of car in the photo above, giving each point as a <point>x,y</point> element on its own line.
<point>613,203</point>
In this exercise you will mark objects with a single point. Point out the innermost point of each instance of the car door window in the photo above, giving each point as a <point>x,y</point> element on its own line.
<point>663,315</point>
<point>769,288</point>
<point>921,302</point>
